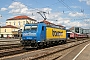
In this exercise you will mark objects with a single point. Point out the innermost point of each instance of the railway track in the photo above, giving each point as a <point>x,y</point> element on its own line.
<point>9,46</point>
<point>41,53</point>
<point>55,53</point>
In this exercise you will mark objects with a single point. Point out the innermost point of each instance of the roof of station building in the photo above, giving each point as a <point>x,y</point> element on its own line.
<point>9,26</point>
<point>20,18</point>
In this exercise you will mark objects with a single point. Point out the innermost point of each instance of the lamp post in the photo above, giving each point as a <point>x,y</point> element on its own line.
<point>20,32</point>
<point>0,26</point>
<point>0,31</point>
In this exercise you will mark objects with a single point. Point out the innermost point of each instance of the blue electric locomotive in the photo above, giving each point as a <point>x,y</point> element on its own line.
<point>39,34</point>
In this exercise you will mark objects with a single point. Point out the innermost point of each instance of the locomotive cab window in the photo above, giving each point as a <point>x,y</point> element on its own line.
<point>27,27</point>
<point>30,28</point>
<point>34,28</point>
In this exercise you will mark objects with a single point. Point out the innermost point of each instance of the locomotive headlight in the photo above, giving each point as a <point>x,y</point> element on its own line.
<point>38,41</point>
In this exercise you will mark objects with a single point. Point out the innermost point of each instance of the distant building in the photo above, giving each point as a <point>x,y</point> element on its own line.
<point>86,31</point>
<point>72,29</point>
<point>8,31</point>
<point>80,30</point>
<point>20,21</point>
<point>13,25</point>
<point>76,29</point>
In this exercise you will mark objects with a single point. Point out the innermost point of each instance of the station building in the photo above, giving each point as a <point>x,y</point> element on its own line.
<point>76,29</point>
<point>14,24</point>
<point>80,30</point>
<point>8,31</point>
<point>86,31</point>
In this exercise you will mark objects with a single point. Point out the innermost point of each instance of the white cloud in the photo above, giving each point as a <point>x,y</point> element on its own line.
<point>17,5</point>
<point>76,14</point>
<point>75,6</point>
<point>87,1</point>
<point>20,8</point>
<point>87,21</point>
<point>2,23</point>
<point>82,0</point>
<point>3,9</point>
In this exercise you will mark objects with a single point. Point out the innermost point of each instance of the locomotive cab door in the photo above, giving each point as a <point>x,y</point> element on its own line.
<point>43,33</point>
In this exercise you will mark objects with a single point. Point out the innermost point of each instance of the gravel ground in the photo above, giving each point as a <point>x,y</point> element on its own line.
<point>51,50</point>
<point>43,52</point>
<point>9,41</point>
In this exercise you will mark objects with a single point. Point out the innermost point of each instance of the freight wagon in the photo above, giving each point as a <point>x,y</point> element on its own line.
<point>40,34</point>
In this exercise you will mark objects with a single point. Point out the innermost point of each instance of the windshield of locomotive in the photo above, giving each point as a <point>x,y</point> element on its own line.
<point>30,28</point>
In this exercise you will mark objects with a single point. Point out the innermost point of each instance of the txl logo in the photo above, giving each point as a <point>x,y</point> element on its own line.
<point>57,33</point>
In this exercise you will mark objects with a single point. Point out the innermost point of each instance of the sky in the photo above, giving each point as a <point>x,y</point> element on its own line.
<point>69,13</point>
